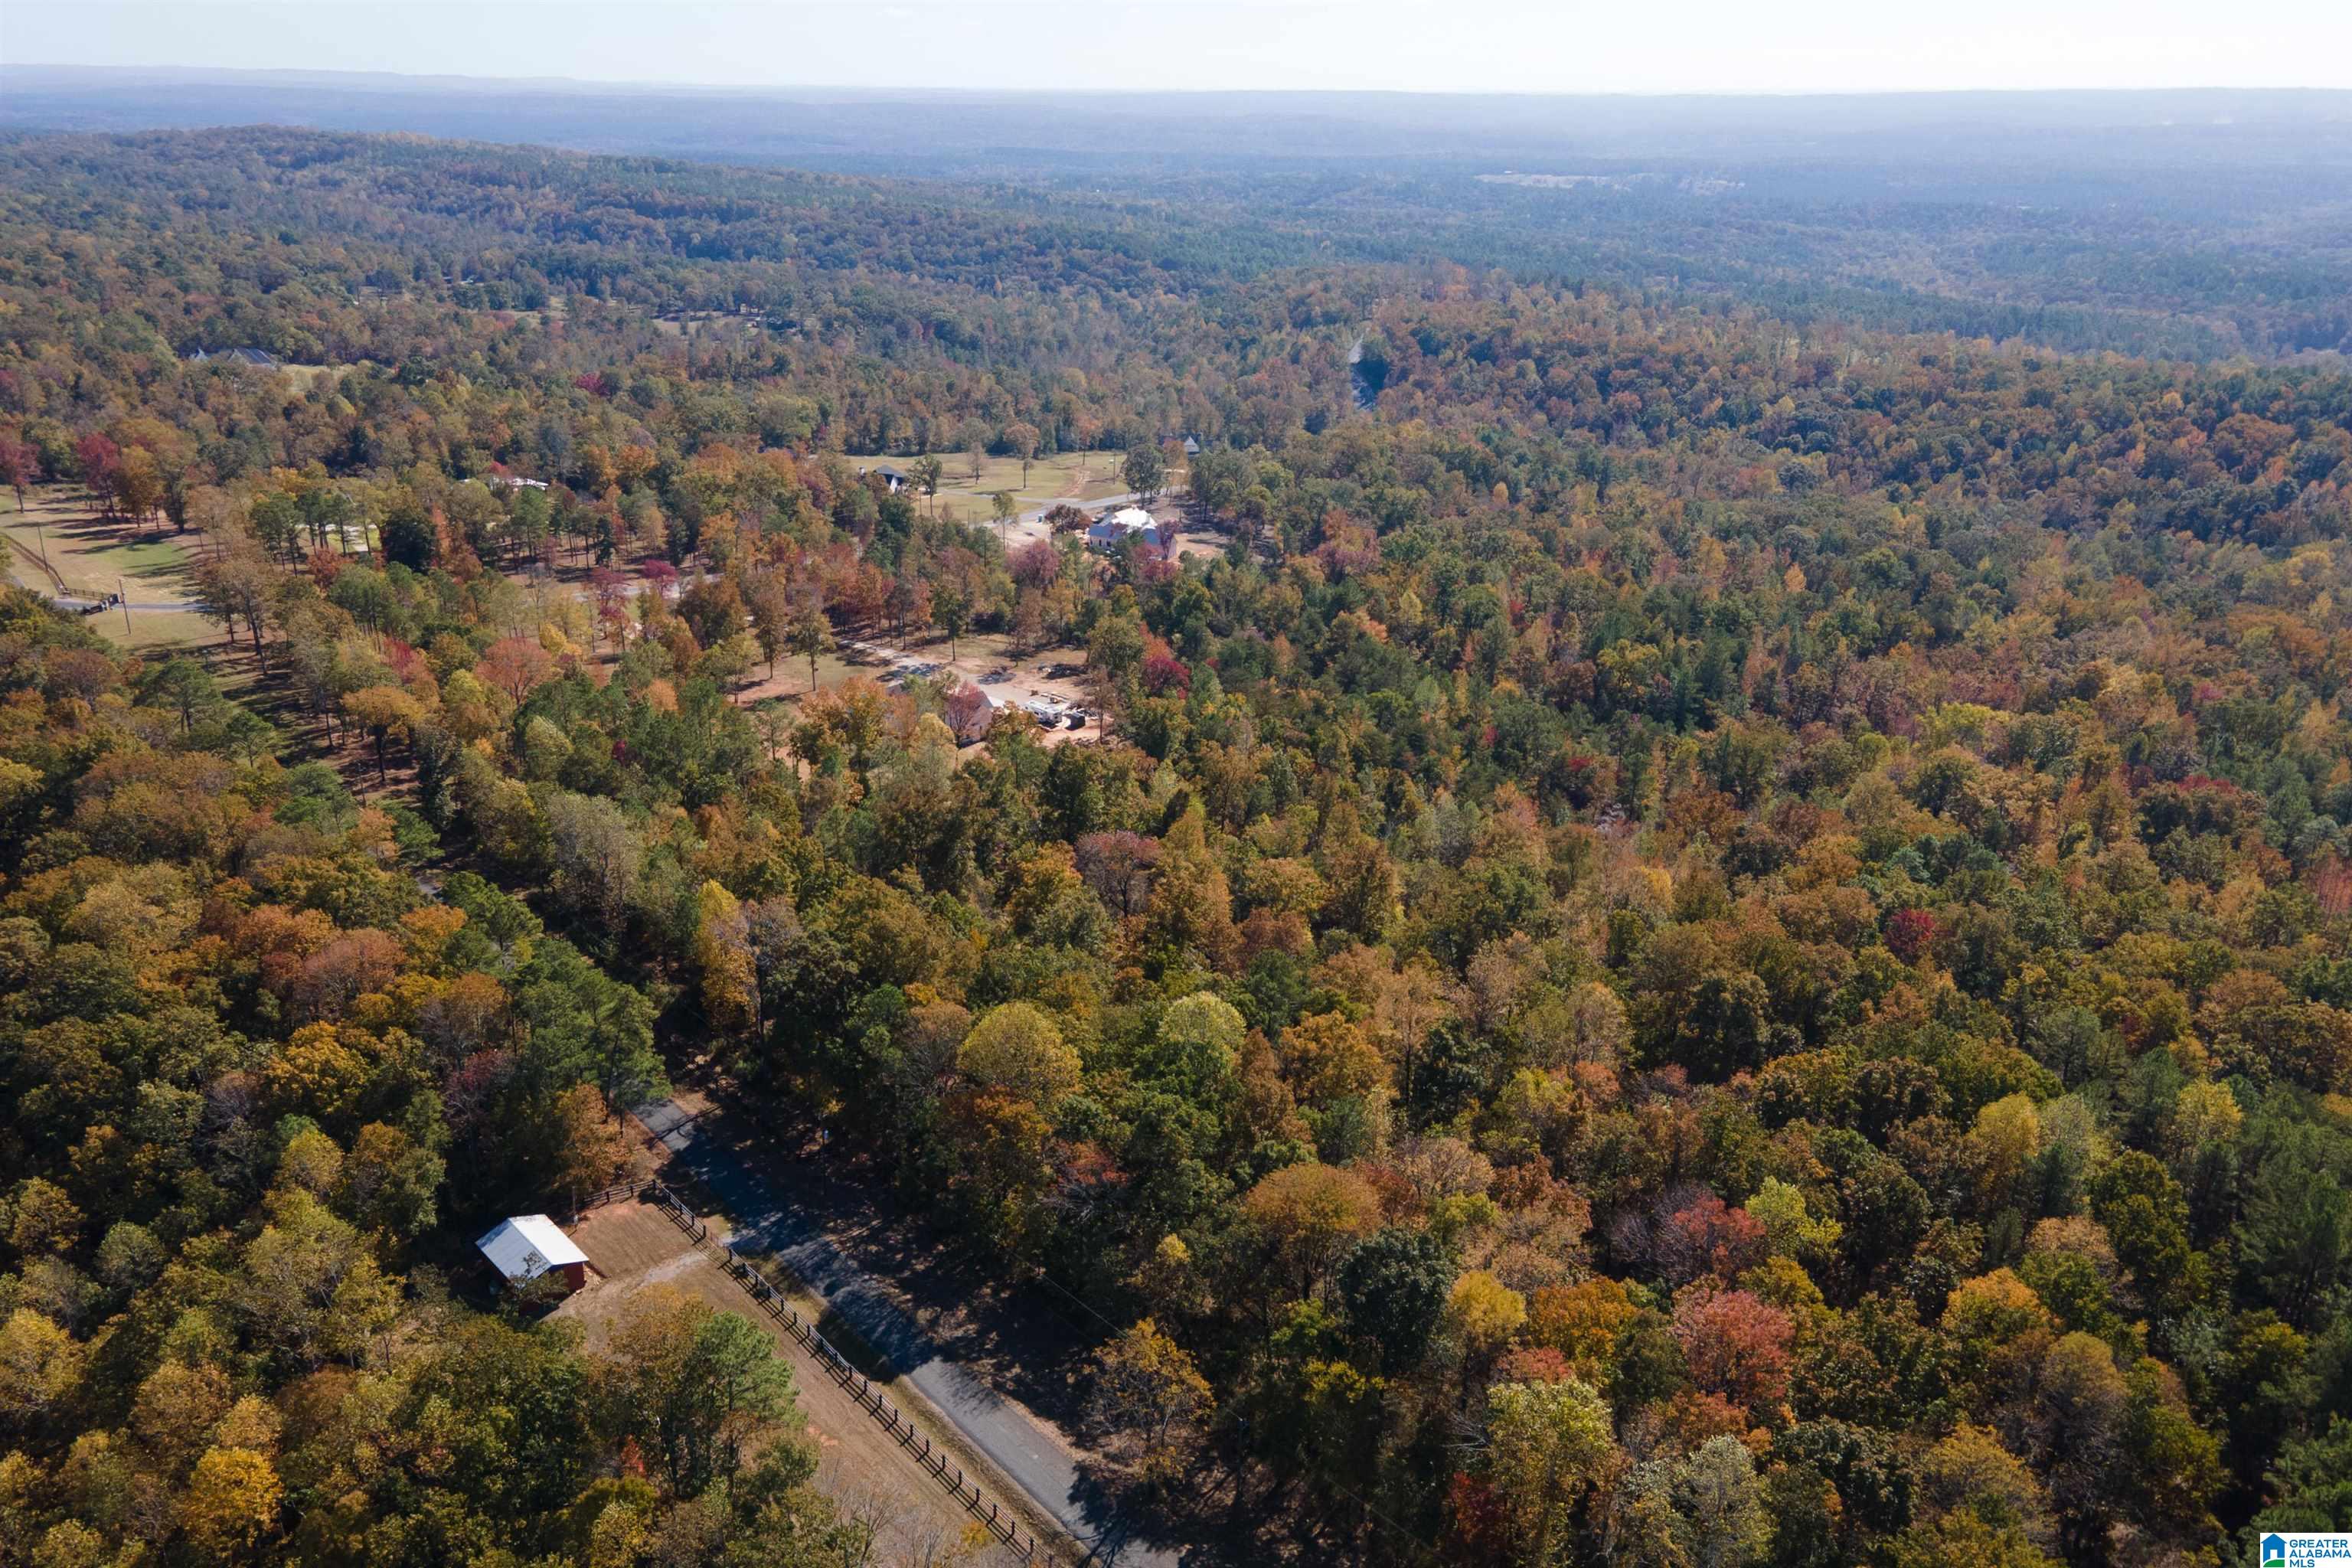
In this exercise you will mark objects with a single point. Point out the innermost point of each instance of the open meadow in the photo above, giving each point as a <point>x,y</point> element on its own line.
<point>61,543</point>
<point>966,497</point>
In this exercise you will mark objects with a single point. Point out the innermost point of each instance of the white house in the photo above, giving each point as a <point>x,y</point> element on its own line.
<point>528,1245</point>
<point>971,710</point>
<point>1127,523</point>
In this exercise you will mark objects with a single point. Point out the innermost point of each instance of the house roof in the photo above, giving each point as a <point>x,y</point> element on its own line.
<point>528,1245</point>
<point>257,358</point>
<point>971,710</point>
<point>1126,524</point>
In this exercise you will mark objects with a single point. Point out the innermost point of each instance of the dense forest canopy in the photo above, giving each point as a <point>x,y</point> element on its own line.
<point>1717,931</point>
<point>2183,224</point>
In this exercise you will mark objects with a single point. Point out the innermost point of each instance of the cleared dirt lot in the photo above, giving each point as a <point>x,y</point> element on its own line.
<point>635,1247</point>
<point>979,654</point>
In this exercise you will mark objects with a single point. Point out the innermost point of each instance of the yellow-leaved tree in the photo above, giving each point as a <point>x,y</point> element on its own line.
<point>1018,1049</point>
<point>722,948</point>
<point>1149,1393</point>
<point>232,1501</point>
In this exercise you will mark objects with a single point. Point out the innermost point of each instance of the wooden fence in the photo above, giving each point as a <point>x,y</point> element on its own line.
<point>1000,1523</point>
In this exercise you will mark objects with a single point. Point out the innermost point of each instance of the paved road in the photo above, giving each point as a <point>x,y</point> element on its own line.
<point>1003,1430</point>
<point>67,602</point>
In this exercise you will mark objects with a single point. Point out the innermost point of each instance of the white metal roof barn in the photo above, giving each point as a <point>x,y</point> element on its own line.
<point>528,1245</point>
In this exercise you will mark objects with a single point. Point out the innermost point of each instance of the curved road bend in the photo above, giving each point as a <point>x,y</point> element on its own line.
<point>1006,1432</point>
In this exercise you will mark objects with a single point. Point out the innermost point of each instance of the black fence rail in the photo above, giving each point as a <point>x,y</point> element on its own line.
<point>1000,1522</point>
<point>670,1204</point>
<point>612,1195</point>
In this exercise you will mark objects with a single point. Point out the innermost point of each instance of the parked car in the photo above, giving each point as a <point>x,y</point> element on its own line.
<point>996,676</point>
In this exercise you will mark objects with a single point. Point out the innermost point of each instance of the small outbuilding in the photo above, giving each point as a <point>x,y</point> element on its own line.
<point>528,1245</point>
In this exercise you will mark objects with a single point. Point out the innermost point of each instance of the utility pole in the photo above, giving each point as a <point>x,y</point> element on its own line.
<point>124,598</point>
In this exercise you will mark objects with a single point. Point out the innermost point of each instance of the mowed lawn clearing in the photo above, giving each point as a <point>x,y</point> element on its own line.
<point>83,553</point>
<point>1074,476</point>
<point>61,544</point>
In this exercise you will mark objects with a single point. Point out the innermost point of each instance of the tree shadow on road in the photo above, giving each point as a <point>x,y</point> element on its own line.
<point>900,1288</point>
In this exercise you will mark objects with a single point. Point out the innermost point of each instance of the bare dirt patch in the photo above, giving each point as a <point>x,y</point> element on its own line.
<point>1200,542</point>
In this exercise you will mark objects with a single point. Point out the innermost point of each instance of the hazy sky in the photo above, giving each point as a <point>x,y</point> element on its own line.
<point>1522,46</point>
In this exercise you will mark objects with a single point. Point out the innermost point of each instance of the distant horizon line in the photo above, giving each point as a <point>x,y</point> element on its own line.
<point>589,84</point>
